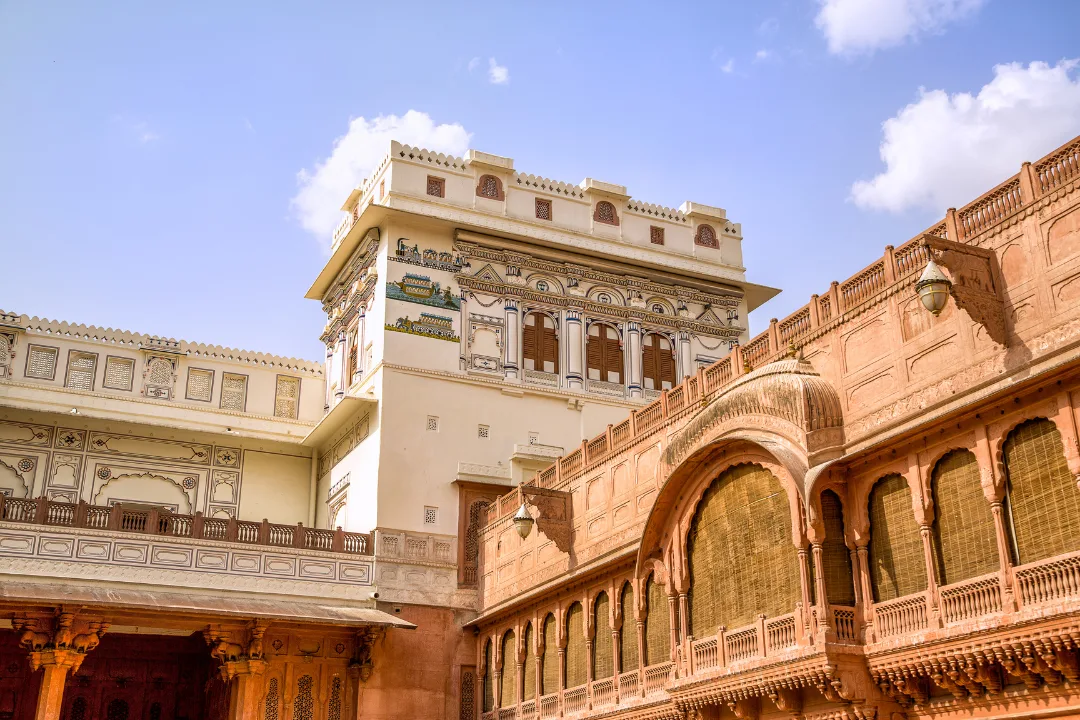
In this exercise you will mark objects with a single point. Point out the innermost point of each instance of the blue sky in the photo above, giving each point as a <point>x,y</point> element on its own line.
<point>165,166</point>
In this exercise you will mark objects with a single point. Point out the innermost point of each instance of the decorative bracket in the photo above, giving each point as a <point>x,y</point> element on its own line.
<point>361,664</point>
<point>554,510</point>
<point>976,283</point>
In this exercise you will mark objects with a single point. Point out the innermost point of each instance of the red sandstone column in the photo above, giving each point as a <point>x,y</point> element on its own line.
<point>245,678</point>
<point>55,664</point>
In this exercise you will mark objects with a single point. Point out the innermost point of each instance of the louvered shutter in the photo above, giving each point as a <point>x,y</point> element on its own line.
<point>529,350</point>
<point>666,368</point>
<point>612,356</point>
<point>649,364</point>
<point>594,356</point>
<point>550,345</point>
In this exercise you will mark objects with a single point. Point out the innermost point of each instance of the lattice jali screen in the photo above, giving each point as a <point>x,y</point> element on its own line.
<point>119,373</point>
<point>742,559</point>
<point>41,362</point>
<point>965,542</point>
<point>528,687</point>
<point>603,665</point>
<point>489,679</point>
<point>835,558</point>
<point>657,624</point>
<point>333,708</point>
<point>468,695</point>
<point>897,564</point>
<point>628,654</point>
<point>509,670</point>
<point>233,391</point>
<point>304,704</point>
<point>200,384</point>
<point>549,680</point>
<point>575,646</point>
<point>81,368</point>
<point>273,698</point>
<point>287,397</point>
<point>1043,498</point>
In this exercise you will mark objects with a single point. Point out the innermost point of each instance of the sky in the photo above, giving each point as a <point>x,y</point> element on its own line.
<point>177,168</point>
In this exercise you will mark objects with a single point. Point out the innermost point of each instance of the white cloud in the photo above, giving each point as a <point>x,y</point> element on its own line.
<point>858,26</point>
<point>498,74</point>
<point>137,129</point>
<point>728,67</point>
<point>474,63</point>
<point>945,150</point>
<point>323,189</point>
<point>763,55</point>
<point>768,27</point>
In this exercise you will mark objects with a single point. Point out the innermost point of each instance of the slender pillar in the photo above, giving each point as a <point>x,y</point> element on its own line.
<point>673,622</point>
<point>634,364</point>
<point>866,591</point>
<point>685,356</point>
<point>575,351</point>
<point>245,688</point>
<point>55,665</point>
<point>511,341</point>
<point>1008,596</point>
<point>358,371</point>
<point>933,609</point>
<point>821,599</point>
<point>343,364</point>
<point>328,372</point>
<point>463,343</point>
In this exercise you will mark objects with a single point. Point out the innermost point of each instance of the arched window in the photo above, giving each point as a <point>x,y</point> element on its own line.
<point>628,654</point>
<point>604,354</point>
<point>489,678</point>
<point>603,666</point>
<point>490,187</point>
<point>549,663</point>
<point>575,646</point>
<point>741,557</point>
<point>509,670</point>
<point>658,362</point>
<point>657,624</point>
<point>706,237</point>
<point>540,343</point>
<point>1043,499</point>
<point>605,213</point>
<point>897,564</point>
<point>835,558</point>
<point>528,690</point>
<point>117,710</point>
<point>965,542</point>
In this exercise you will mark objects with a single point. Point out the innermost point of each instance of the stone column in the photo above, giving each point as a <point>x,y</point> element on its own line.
<point>866,590</point>
<point>463,357</point>
<point>361,330</point>
<point>328,370</point>
<point>511,340</point>
<point>633,349</point>
<point>575,350</point>
<point>55,664</point>
<point>821,599</point>
<point>245,679</point>
<point>1008,598</point>
<point>343,364</point>
<point>933,610</point>
<point>686,361</point>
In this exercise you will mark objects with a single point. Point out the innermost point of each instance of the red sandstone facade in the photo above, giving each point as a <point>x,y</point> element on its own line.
<point>866,511</point>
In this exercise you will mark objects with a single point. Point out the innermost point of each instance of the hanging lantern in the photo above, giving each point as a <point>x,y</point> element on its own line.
<point>523,521</point>
<point>933,288</point>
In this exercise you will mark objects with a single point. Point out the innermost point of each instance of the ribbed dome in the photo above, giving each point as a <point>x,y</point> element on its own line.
<point>789,389</point>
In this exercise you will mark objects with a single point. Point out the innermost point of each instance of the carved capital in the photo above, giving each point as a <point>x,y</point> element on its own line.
<point>362,665</point>
<point>63,639</point>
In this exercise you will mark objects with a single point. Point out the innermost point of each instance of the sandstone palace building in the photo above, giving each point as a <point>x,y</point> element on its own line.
<point>545,471</point>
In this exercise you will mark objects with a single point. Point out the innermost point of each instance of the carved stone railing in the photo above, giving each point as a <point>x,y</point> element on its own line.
<point>575,700</point>
<point>629,685</point>
<point>1049,580</point>
<point>900,616</point>
<point>1059,167</point>
<point>741,644</point>
<point>780,634</point>
<point>971,598</point>
<point>528,710</point>
<point>603,693</point>
<point>844,623</point>
<point>990,209</point>
<point>159,521</point>
<point>508,713</point>
<point>864,285</point>
<point>705,654</point>
<point>658,677</point>
<point>550,706</point>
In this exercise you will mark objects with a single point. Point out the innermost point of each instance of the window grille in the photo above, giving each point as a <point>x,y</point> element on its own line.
<point>656,235</point>
<point>628,650</point>
<point>41,362</point>
<point>200,384</point>
<point>432,423</point>
<point>575,647</point>
<point>706,237</point>
<point>233,392</point>
<point>431,515</point>
<point>304,704</point>
<point>436,186</point>
<point>528,689</point>
<point>81,369</point>
<point>550,661</point>
<point>835,558</point>
<point>964,540</point>
<point>543,209</point>
<point>605,213</point>
<point>119,373</point>
<point>657,624</point>
<point>287,397</point>
<point>483,432</point>
<point>489,679</point>
<point>489,187</point>
<point>468,695</point>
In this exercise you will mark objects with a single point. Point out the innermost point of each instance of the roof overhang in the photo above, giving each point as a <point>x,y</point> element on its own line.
<point>344,409</point>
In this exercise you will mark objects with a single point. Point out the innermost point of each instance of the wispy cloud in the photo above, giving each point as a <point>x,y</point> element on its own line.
<point>474,63</point>
<point>498,74</point>
<point>768,27</point>
<point>764,55</point>
<point>861,26</point>
<point>355,155</point>
<point>138,130</point>
<point>728,67</point>
<point>248,125</point>
<point>944,148</point>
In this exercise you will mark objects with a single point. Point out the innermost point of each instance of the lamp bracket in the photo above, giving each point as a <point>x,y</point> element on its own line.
<point>976,283</point>
<point>554,510</point>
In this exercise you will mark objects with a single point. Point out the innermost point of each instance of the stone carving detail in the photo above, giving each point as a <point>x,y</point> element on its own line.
<point>63,640</point>
<point>553,517</point>
<point>976,285</point>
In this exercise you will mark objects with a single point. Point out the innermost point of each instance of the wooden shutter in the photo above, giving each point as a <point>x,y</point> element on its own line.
<point>965,541</point>
<point>550,662</point>
<point>575,647</point>
<point>528,691</point>
<point>549,343</point>
<point>628,650</point>
<point>594,351</point>
<point>529,345</point>
<point>649,365</point>
<point>1043,499</point>
<point>657,624</point>
<point>667,364</point>
<point>603,666</point>
<point>897,564</point>
<point>509,670</point>
<point>835,558</point>
<point>613,364</point>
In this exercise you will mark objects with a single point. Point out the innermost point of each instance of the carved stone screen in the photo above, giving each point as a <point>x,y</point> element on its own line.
<point>233,391</point>
<point>41,362</point>
<point>81,368</point>
<point>119,373</point>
